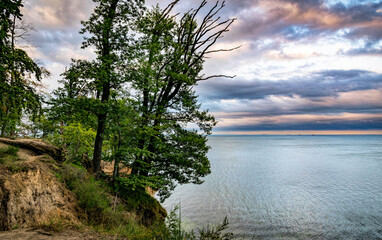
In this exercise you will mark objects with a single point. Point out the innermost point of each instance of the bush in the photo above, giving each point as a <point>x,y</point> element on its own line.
<point>176,232</point>
<point>77,140</point>
<point>95,198</point>
<point>148,209</point>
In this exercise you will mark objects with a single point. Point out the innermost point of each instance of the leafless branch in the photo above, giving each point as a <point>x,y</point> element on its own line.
<point>223,50</point>
<point>214,76</point>
<point>192,45</point>
<point>22,30</point>
<point>168,9</point>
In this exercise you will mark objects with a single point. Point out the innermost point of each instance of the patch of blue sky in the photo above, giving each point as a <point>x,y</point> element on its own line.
<point>296,31</point>
<point>348,3</point>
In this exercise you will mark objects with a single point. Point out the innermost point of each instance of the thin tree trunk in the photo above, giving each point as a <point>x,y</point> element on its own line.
<point>106,49</point>
<point>98,143</point>
<point>3,128</point>
<point>116,160</point>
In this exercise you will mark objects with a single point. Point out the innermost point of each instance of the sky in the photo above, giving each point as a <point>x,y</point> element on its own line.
<point>304,67</point>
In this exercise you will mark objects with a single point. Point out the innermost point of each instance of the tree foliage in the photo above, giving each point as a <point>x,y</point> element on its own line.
<point>108,28</point>
<point>19,74</point>
<point>173,128</point>
<point>138,93</point>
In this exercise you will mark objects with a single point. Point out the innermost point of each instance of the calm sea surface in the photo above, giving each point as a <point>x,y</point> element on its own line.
<point>289,187</point>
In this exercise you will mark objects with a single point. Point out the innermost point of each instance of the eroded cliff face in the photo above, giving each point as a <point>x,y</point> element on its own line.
<point>31,195</point>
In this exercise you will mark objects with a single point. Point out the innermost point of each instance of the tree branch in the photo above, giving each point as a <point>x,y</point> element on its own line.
<point>214,76</point>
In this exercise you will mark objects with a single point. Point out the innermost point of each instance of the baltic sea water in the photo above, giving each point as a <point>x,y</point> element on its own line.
<point>289,187</point>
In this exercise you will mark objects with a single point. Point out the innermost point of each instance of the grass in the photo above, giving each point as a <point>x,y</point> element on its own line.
<point>209,232</point>
<point>8,154</point>
<point>124,219</point>
<point>10,160</point>
<point>55,224</point>
<point>133,215</point>
<point>101,211</point>
<point>17,167</point>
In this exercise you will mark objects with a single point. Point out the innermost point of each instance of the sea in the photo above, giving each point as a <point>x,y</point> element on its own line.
<point>288,187</point>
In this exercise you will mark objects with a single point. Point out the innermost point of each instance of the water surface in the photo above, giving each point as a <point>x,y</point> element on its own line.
<point>289,187</point>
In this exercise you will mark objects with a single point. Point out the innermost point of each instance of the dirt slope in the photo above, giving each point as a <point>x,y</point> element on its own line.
<point>31,195</point>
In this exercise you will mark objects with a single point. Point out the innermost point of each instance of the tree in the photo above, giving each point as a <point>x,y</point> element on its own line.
<point>19,74</point>
<point>170,56</point>
<point>157,128</point>
<point>109,29</point>
<point>74,101</point>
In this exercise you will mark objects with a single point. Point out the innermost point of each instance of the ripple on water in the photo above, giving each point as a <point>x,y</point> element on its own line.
<point>292,187</point>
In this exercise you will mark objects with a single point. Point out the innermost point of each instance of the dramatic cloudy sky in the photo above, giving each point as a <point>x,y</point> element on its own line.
<point>312,66</point>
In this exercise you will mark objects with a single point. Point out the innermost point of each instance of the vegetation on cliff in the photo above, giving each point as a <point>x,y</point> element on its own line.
<point>133,107</point>
<point>40,192</point>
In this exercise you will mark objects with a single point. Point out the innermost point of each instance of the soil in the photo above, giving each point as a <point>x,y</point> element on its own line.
<point>39,234</point>
<point>31,195</point>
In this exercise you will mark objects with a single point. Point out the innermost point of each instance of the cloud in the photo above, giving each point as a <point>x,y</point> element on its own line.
<point>319,84</point>
<point>325,100</point>
<point>342,121</point>
<point>285,67</point>
<point>57,14</point>
<point>57,24</point>
<point>286,21</point>
<point>56,39</point>
<point>367,101</point>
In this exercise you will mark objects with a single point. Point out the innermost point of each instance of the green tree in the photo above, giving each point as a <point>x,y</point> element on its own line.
<point>108,28</point>
<point>74,101</point>
<point>140,90</point>
<point>172,129</point>
<point>19,74</point>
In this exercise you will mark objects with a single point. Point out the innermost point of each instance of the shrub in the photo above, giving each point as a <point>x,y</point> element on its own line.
<point>94,197</point>
<point>210,232</point>
<point>77,140</point>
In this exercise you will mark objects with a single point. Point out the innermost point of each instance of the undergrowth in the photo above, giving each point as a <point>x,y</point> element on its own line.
<point>175,230</point>
<point>123,216</point>
<point>116,210</point>
<point>10,160</point>
<point>8,154</point>
<point>102,212</point>
<point>55,224</point>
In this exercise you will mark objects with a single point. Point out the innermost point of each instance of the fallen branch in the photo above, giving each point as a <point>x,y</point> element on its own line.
<point>37,146</point>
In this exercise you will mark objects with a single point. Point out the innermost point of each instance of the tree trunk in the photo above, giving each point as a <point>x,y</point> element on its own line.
<point>105,53</point>
<point>3,128</point>
<point>117,158</point>
<point>98,143</point>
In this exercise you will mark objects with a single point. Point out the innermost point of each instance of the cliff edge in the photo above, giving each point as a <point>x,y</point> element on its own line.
<point>41,197</point>
<point>30,193</point>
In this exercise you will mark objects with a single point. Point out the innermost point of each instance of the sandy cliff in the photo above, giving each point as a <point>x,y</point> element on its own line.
<point>31,195</point>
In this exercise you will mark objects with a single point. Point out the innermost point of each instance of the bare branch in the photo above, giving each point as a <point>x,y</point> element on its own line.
<point>214,76</point>
<point>168,9</point>
<point>223,50</point>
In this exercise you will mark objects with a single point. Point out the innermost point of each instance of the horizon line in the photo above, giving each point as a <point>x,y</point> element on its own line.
<point>301,132</point>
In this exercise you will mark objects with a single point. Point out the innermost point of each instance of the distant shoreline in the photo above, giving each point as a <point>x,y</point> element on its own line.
<point>299,133</point>
<point>292,135</point>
